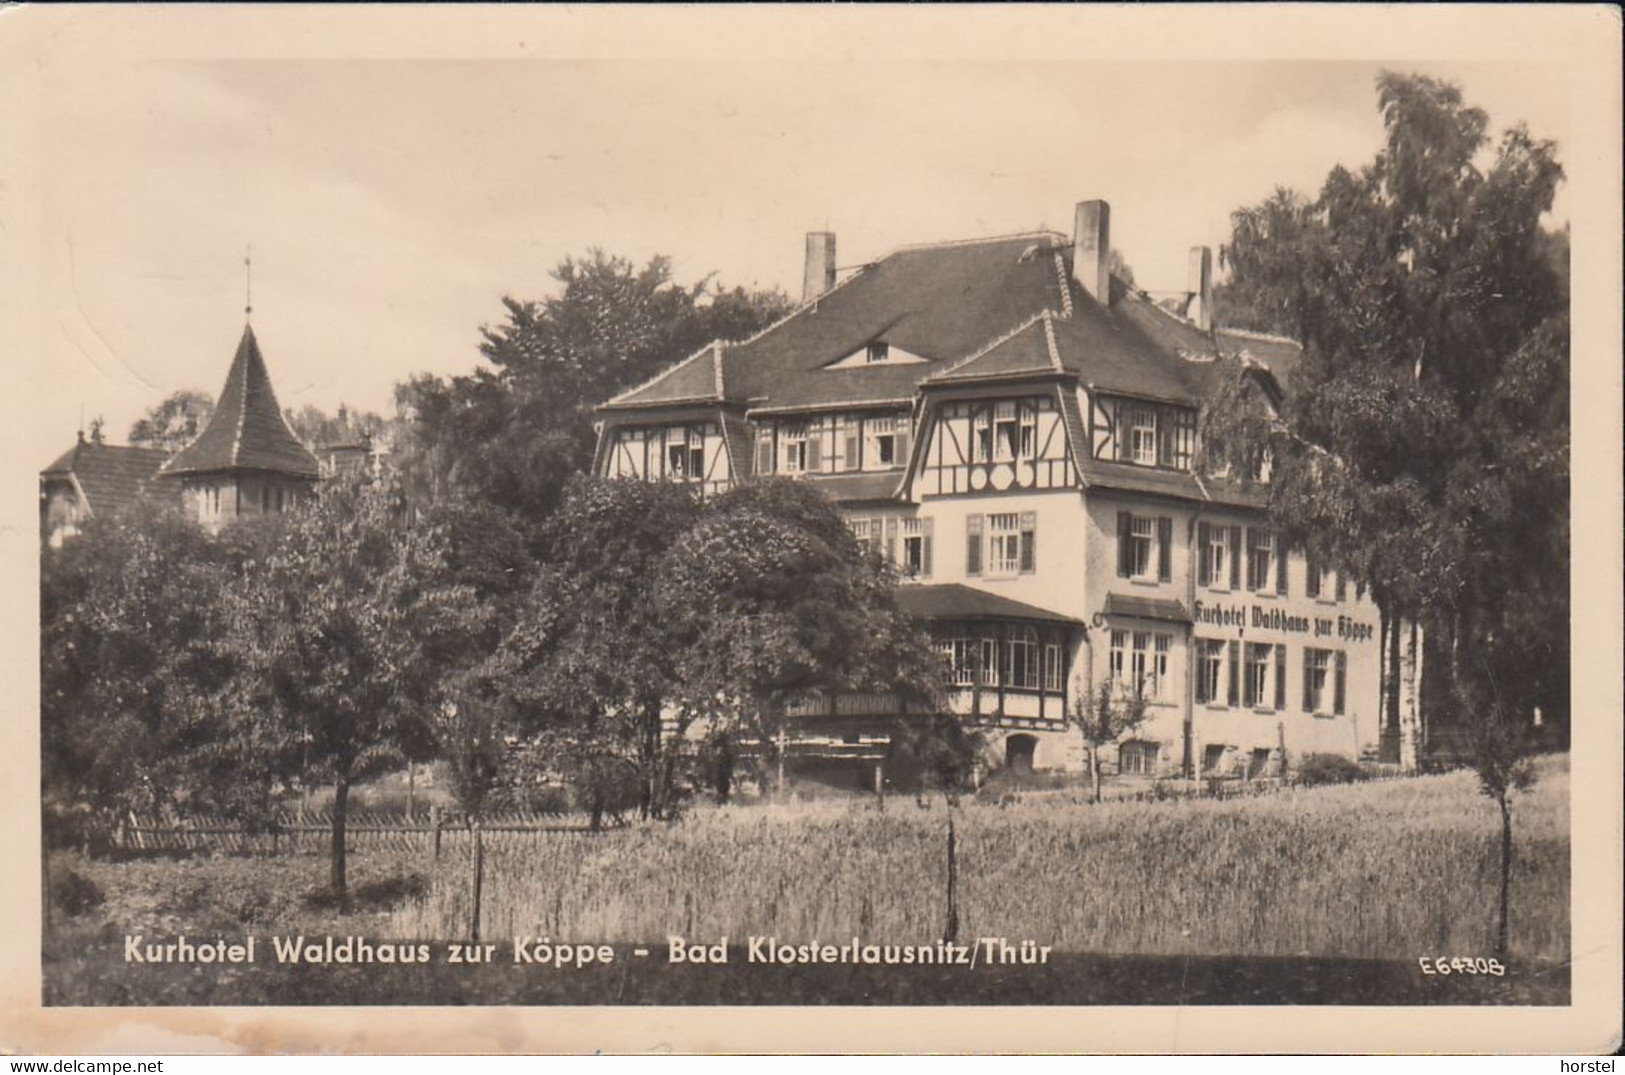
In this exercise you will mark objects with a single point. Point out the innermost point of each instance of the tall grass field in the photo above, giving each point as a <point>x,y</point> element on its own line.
<point>1388,870</point>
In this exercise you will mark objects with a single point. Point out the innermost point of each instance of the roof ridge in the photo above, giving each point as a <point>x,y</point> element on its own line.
<point>1041,233</point>
<point>667,372</point>
<point>716,361</point>
<point>1066,285</point>
<point>1049,342</point>
<point>242,408</point>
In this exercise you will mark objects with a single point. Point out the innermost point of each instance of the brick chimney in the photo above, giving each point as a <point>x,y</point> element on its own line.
<point>1201,288</point>
<point>820,272</point>
<point>1092,249</point>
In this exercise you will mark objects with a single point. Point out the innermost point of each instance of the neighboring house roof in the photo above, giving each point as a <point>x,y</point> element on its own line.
<point>109,477</point>
<point>247,430</point>
<point>952,600</point>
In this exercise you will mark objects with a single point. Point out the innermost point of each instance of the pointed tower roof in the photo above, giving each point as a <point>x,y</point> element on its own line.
<point>247,431</point>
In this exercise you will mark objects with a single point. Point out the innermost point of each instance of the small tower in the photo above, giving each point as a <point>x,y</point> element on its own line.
<point>246,462</point>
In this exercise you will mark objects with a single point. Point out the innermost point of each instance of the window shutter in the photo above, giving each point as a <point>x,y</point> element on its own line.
<point>1029,541</point>
<point>1280,566</point>
<point>1202,695</point>
<point>891,538</point>
<point>1308,681</point>
<point>1249,695</point>
<point>1235,671</point>
<point>1280,677</point>
<point>973,544</point>
<point>925,549</point>
<point>1342,586</point>
<point>815,442</point>
<point>1204,535</point>
<point>1235,557</point>
<point>1250,543</point>
<point>764,453</point>
<point>1165,548</point>
<point>900,453</point>
<point>854,445</point>
<point>1337,684</point>
<point>1311,582</point>
<point>1125,543</point>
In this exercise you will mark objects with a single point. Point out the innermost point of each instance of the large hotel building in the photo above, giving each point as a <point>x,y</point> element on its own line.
<point>1015,428</point>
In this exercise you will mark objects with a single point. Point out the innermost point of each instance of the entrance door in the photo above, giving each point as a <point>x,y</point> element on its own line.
<point>1018,753</point>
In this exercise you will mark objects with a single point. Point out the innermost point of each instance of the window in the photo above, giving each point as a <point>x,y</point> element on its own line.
<point>988,669</point>
<point>961,654</point>
<point>1325,673</point>
<point>1005,440</point>
<point>793,449</point>
<point>1052,667</point>
<point>877,352</point>
<point>1260,559</point>
<point>1318,579</point>
<point>1209,662</point>
<point>764,451</point>
<point>1255,687</point>
<point>265,498</point>
<point>1144,546</point>
<point>279,500</point>
<point>685,454</point>
<point>870,534</point>
<point>884,442</point>
<point>1029,433</point>
<point>1137,757</point>
<point>1143,539</point>
<point>1021,660</point>
<point>1143,435</point>
<point>1145,653</point>
<point>1213,545</point>
<point>1004,544</point>
<point>917,547</point>
<point>981,436</point>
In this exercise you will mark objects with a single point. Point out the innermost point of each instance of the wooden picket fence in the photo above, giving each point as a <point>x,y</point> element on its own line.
<point>311,831</point>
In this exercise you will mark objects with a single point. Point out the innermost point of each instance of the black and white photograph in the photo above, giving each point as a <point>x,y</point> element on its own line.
<point>831,521</point>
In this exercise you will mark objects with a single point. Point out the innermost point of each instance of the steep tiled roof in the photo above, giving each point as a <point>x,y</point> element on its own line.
<point>952,600</point>
<point>940,303</point>
<point>697,377</point>
<point>112,477</point>
<point>1146,608</point>
<point>1128,478</point>
<point>858,488</point>
<point>247,431</point>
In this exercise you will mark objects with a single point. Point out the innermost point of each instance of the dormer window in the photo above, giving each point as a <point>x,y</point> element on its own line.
<point>877,352</point>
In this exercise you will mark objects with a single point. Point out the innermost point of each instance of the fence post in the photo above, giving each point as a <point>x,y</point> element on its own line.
<point>434,827</point>
<point>479,879</point>
<point>119,834</point>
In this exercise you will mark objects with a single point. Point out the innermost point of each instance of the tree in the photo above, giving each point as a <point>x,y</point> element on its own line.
<point>514,431</point>
<point>1422,446</point>
<point>1102,718</point>
<point>173,423</point>
<point>590,658</point>
<point>315,428</point>
<point>772,599</point>
<point>343,633</point>
<point>132,678</point>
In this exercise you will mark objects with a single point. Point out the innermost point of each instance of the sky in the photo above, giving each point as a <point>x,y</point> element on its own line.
<point>390,203</point>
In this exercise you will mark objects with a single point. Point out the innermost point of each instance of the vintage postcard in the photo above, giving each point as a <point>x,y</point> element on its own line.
<point>712,529</point>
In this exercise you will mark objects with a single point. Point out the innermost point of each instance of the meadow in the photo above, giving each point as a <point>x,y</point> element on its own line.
<point>1396,868</point>
<point>1315,895</point>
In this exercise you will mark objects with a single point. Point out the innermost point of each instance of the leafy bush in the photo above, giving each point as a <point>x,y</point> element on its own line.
<point>71,893</point>
<point>1317,769</point>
